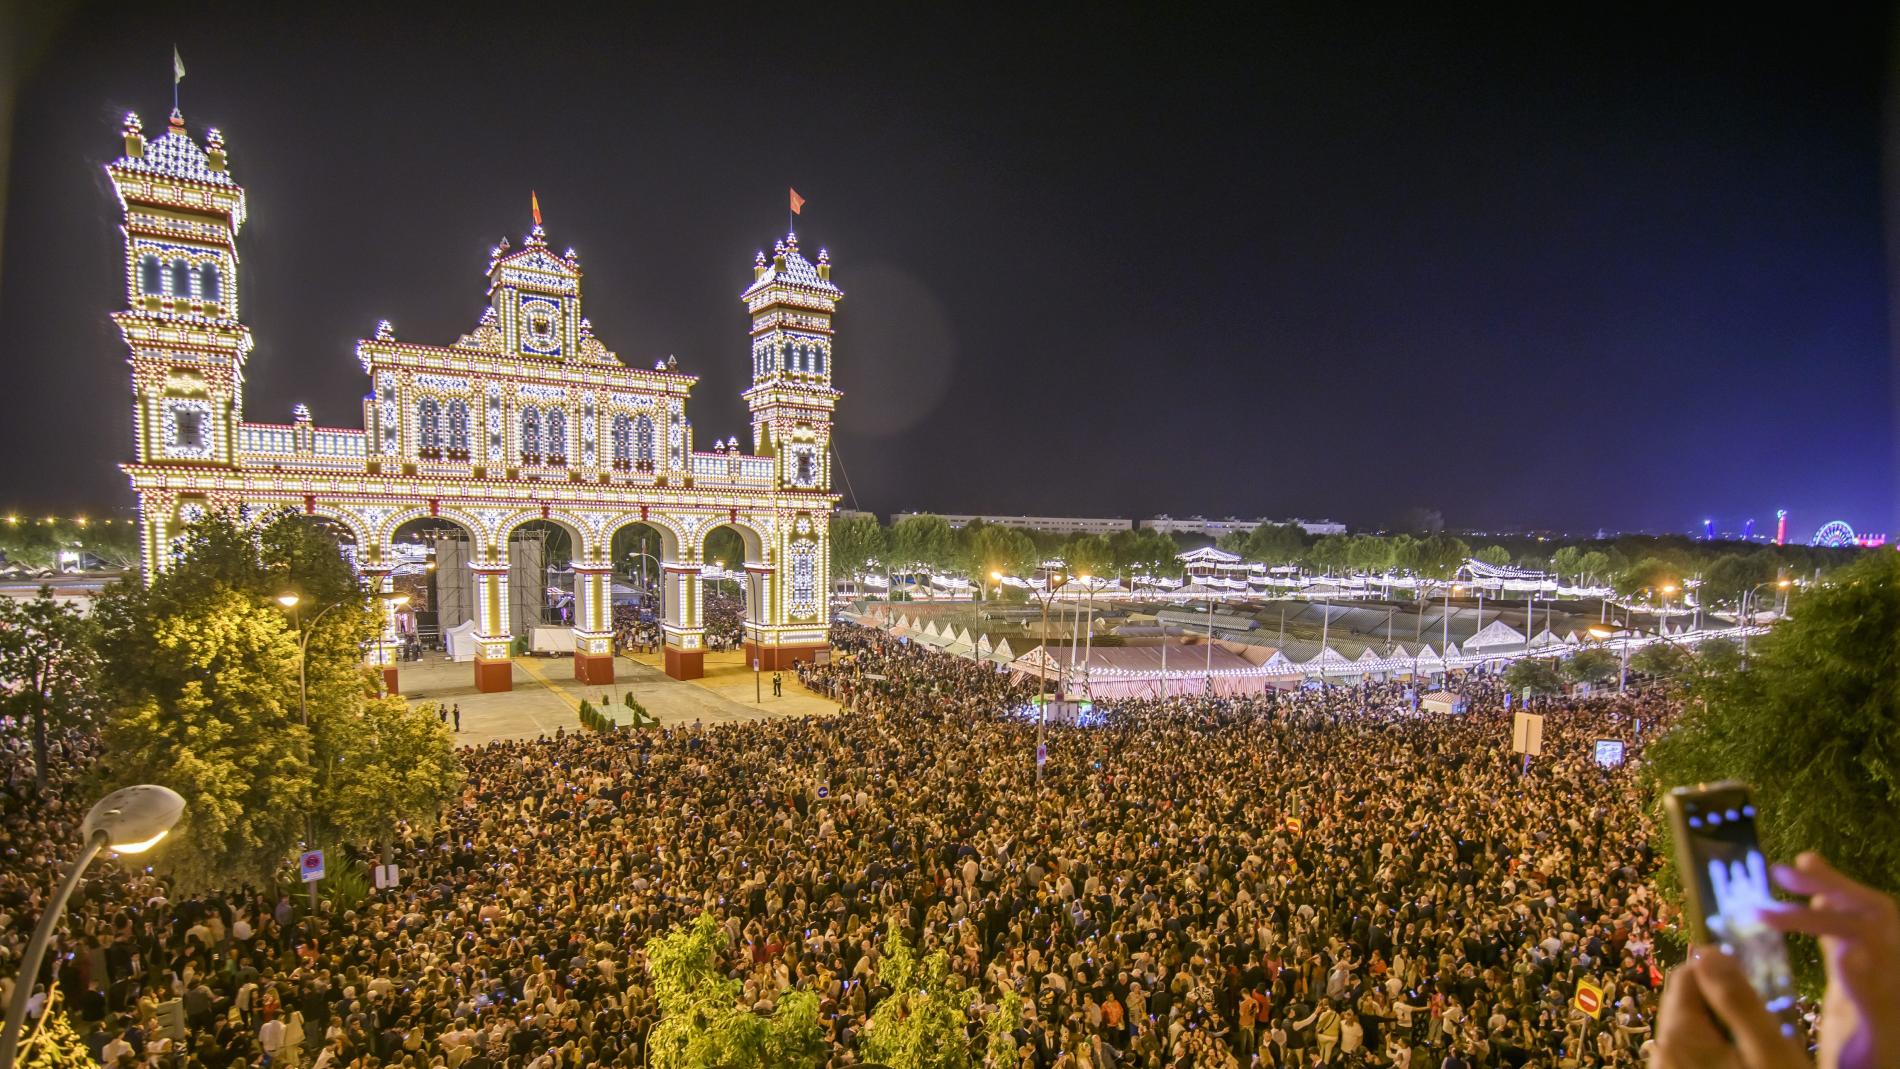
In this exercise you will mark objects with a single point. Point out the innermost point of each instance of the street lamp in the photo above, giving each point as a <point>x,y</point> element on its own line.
<point>1627,629</point>
<point>130,820</point>
<point>1748,610</point>
<point>1056,581</point>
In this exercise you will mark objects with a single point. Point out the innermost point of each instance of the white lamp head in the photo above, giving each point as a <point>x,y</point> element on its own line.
<point>134,819</point>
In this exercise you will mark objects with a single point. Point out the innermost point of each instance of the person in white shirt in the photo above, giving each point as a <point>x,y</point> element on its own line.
<point>270,1036</point>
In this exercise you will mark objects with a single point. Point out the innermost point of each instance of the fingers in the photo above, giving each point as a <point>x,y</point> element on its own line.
<point>1684,1027</point>
<point>1812,875</point>
<point>1813,920</point>
<point>1756,1033</point>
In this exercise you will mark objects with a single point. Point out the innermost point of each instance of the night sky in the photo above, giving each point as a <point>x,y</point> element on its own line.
<point>1604,272</point>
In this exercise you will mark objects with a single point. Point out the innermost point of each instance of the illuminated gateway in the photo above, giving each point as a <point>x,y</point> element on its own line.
<point>528,417</point>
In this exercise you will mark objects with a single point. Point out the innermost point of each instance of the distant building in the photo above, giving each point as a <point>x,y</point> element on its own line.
<point>1047,524</point>
<point>1201,525</point>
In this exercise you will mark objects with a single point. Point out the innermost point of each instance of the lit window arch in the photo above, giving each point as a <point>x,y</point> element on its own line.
<point>458,427</point>
<point>622,440</point>
<point>151,281</point>
<point>643,443</point>
<point>556,428</point>
<point>210,286</point>
<point>530,433</point>
<point>180,279</point>
<point>429,425</point>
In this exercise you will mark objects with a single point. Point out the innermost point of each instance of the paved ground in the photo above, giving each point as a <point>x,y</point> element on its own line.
<point>547,697</point>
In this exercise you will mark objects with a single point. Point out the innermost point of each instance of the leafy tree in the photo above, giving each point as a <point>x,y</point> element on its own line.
<point>1331,553</point>
<point>1536,673</point>
<point>53,1043</point>
<point>1813,724</point>
<point>206,688</point>
<point>703,1026</point>
<point>1088,555</point>
<point>1567,561</point>
<point>1662,660</point>
<point>1719,656</point>
<point>1496,556</point>
<point>29,543</point>
<point>856,541</point>
<point>390,763</point>
<point>1731,575</point>
<point>724,544</point>
<point>206,696</point>
<point>1593,566</point>
<point>992,548</point>
<point>1276,543</point>
<point>115,542</point>
<point>922,543</point>
<point>1595,665</point>
<point>999,1030</point>
<point>1648,576</point>
<point>1368,553</point>
<point>1404,553</point>
<point>921,1024</point>
<point>1441,555</point>
<point>47,655</point>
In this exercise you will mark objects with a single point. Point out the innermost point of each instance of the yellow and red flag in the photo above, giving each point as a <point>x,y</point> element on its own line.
<point>798,202</point>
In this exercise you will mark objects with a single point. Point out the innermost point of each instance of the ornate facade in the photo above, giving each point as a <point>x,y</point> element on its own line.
<point>527,417</point>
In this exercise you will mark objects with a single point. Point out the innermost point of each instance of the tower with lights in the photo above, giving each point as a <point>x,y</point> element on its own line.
<point>182,214</point>
<point>528,419</point>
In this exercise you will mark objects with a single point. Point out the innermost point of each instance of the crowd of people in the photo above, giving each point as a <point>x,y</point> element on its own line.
<point>1318,877</point>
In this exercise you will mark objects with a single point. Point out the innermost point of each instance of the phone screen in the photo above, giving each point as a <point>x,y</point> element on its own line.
<point>1727,877</point>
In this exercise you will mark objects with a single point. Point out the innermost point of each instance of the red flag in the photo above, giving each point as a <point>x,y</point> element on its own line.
<point>797,202</point>
<point>534,202</point>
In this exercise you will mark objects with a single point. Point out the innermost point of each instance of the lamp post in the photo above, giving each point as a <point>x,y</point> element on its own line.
<point>1056,581</point>
<point>291,600</point>
<point>130,820</point>
<point>1627,629</point>
<point>1748,610</point>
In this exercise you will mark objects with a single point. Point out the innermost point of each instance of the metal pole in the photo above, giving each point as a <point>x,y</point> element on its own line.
<point>36,950</point>
<point>1088,648</point>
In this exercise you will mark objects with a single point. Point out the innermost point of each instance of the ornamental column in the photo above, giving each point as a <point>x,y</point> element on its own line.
<point>593,624</point>
<point>383,649</point>
<point>494,663</point>
<point>758,615</point>
<point>685,629</point>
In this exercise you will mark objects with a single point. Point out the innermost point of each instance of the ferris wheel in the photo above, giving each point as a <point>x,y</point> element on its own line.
<point>1833,535</point>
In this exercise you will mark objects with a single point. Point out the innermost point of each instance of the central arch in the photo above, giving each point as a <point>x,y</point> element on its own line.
<point>736,575</point>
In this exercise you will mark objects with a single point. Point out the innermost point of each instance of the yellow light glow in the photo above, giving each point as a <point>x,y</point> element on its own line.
<point>1668,589</point>
<point>140,847</point>
<point>1785,584</point>
<point>288,601</point>
<point>399,600</point>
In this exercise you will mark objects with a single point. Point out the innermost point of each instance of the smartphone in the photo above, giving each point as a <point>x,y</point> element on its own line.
<point>1725,881</point>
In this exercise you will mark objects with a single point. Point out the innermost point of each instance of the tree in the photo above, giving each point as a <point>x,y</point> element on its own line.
<point>114,542</point>
<point>1662,660</point>
<point>1330,554</point>
<point>206,688</point>
<point>1810,724</point>
<point>921,542</point>
<point>1440,556</point>
<point>1276,543</point>
<point>1368,553</point>
<point>47,654</point>
<point>1567,561</point>
<point>703,1026</point>
<point>856,541</point>
<point>1648,575</point>
<point>1731,575</point>
<point>1496,556</point>
<point>205,699</point>
<point>1088,555</point>
<point>990,548</point>
<point>1535,673</point>
<point>1593,566</point>
<point>999,1030</point>
<point>921,1024</point>
<point>29,543</point>
<point>1595,665</point>
<point>390,763</point>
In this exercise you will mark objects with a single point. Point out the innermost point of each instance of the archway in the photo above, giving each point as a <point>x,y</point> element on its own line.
<point>638,554</point>
<point>735,589</point>
<point>431,560</point>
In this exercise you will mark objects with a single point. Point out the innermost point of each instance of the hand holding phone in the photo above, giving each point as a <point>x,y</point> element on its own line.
<point>1725,881</point>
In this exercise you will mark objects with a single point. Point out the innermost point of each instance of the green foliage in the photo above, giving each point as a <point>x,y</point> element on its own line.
<point>725,544</point>
<point>1661,660</point>
<point>999,1039</point>
<point>53,1043</point>
<point>205,699</point>
<point>1718,656</point>
<point>702,1025</point>
<point>48,659</point>
<point>1594,666</point>
<point>1497,556</point>
<point>1088,555</point>
<point>1648,576</point>
<point>1536,673</point>
<point>1139,551</point>
<point>922,543</point>
<point>921,1023</point>
<point>389,763</point>
<point>986,548</point>
<point>31,543</point>
<point>1731,575</point>
<point>205,688</point>
<point>856,541</point>
<point>1813,724</point>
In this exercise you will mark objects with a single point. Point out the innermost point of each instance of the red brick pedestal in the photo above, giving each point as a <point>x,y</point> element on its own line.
<point>780,658</point>
<point>594,668</point>
<point>685,664</point>
<point>494,676</point>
